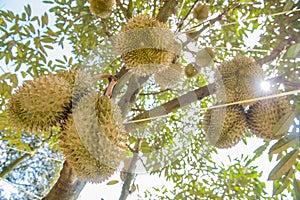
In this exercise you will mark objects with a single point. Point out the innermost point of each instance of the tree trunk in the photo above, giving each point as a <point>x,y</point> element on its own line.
<point>67,187</point>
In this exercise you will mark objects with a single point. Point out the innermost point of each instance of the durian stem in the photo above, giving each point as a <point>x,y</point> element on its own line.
<point>130,173</point>
<point>101,76</point>
<point>112,83</point>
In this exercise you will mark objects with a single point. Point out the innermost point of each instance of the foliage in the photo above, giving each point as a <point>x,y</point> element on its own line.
<point>26,41</point>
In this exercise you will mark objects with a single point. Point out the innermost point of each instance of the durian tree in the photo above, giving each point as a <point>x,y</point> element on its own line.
<point>149,86</point>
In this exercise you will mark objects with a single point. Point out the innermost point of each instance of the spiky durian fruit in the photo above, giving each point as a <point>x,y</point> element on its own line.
<point>205,57</point>
<point>40,104</point>
<point>224,127</point>
<point>146,45</point>
<point>101,8</point>
<point>93,139</point>
<point>201,12</point>
<point>80,81</point>
<point>169,77</point>
<point>265,114</point>
<point>190,71</point>
<point>239,79</point>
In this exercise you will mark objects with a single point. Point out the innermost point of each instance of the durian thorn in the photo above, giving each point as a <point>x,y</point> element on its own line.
<point>101,76</point>
<point>112,82</point>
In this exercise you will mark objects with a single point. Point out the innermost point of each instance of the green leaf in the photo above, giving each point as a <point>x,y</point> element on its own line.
<point>284,165</point>
<point>48,2</point>
<point>293,51</point>
<point>28,10</point>
<point>285,182</point>
<point>288,6</point>
<point>44,19</point>
<point>283,125</point>
<point>284,143</point>
<point>112,182</point>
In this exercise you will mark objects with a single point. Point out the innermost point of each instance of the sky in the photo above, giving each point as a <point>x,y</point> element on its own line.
<point>146,181</point>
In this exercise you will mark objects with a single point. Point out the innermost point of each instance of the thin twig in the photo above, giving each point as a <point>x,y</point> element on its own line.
<point>195,34</point>
<point>123,9</point>
<point>154,8</point>
<point>186,16</point>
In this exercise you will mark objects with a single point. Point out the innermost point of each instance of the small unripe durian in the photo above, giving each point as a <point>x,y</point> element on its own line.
<point>169,77</point>
<point>101,8</point>
<point>265,114</point>
<point>190,71</point>
<point>146,45</point>
<point>239,79</point>
<point>228,132</point>
<point>204,57</point>
<point>201,12</point>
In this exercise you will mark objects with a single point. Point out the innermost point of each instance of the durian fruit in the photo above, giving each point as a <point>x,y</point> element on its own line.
<point>169,77</point>
<point>204,57</point>
<point>146,45</point>
<point>93,139</point>
<point>239,79</point>
<point>225,126</point>
<point>264,115</point>
<point>40,104</point>
<point>101,8</point>
<point>190,71</point>
<point>201,12</point>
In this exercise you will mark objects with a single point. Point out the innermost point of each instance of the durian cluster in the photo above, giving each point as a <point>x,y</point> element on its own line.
<point>102,8</point>
<point>92,135</point>
<point>242,78</point>
<point>146,45</point>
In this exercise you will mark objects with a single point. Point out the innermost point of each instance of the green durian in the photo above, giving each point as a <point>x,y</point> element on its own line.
<point>224,127</point>
<point>146,45</point>
<point>40,103</point>
<point>102,8</point>
<point>94,139</point>
<point>200,12</point>
<point>239,79</point>
<point>265,114</point>
<point>190,71</point>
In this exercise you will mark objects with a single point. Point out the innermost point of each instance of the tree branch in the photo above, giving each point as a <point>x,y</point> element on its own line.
<point>194,35</point>
<point>134,86</point>
<point>173,105</point>
<point>68,187</point>
<point>123,9</point>
<point>130,173</point>
<point>277,50</point>
<point>166,10</point>
<point>183,19</point>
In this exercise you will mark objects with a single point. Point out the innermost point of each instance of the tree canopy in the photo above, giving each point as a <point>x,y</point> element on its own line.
<point>167,108</point>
